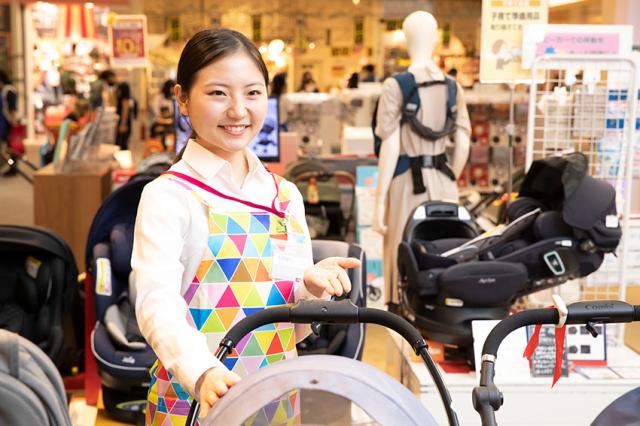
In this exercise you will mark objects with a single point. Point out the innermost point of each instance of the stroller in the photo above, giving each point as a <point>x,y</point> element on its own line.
<point>315,382</point>
<point>322,196</point>
<point>39,298</point>
<point>487,398</point>
<point>122,355</point>
<point>562,224</point>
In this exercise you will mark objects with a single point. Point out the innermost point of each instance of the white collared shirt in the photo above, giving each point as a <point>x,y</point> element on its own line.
<point>170,240</point>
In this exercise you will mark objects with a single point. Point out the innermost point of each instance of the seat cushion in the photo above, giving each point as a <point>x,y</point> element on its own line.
<point>481,284</point>
<point>119,363</point>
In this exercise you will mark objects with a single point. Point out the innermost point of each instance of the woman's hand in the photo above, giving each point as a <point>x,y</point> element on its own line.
<point>210,387</point>
<point>329,275</point>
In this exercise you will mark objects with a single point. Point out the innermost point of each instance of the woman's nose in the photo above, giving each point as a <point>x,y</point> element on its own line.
<point>237,109</point>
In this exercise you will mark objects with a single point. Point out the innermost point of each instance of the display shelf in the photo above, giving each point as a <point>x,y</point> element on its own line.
<point>575,400</point>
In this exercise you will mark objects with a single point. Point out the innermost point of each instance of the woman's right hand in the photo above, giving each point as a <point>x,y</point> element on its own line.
<point>210,387</point>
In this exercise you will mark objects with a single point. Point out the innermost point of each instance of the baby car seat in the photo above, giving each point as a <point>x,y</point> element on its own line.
<point>561,226</point>
<point>322,197</point>
<point>31,389</point>
<point>122,355</point>
<point>340,339</point>
<point>38,279</point>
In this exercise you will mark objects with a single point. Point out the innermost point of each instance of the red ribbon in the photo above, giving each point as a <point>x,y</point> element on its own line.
<point>533,344</point>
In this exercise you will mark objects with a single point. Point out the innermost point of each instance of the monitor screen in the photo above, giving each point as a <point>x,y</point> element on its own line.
<point>266,144</point>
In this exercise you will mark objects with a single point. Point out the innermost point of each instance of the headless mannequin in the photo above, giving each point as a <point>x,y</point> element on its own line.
<point>421,32</point>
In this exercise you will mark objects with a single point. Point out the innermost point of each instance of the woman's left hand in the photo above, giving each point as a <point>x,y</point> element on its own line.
<point>329,276</point>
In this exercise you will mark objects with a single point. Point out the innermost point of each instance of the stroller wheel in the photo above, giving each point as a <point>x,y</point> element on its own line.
<point>126,407</point>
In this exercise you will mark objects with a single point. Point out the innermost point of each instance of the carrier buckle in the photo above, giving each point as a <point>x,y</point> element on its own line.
<point>427,161</point>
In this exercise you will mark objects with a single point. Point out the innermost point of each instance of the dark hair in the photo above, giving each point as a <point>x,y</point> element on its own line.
<point>167,89</point>
<point>107,74</point>
<point>278,84</point>
<point>352,83</point>
<point>369,68</point>
<point>210,45</point>
<point>4,77</point>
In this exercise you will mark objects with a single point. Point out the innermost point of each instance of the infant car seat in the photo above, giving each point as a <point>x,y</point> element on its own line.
<point>122,355</point>
<point>322,197</point>
<point>340,339</point>
<point>38,283</point>
<point>562,224</point>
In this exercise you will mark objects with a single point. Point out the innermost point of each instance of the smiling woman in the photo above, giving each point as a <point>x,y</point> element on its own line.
<point>218,237</point>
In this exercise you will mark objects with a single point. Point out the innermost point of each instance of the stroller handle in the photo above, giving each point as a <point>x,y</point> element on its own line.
<point>486,397</point>
<point>341,312</point>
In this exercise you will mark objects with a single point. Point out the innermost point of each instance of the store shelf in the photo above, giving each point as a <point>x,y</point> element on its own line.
<point>575,400</point>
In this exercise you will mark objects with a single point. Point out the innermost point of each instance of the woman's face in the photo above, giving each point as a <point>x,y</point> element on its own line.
<point>227,103</point>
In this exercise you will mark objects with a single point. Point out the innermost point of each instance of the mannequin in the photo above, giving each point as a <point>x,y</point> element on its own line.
<point>395,199</point>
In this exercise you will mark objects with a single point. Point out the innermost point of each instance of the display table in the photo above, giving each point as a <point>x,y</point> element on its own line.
<point>66,203</point>
<point>575,400</point>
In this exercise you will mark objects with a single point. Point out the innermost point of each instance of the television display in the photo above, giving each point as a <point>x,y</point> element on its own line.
<point>266,144</point>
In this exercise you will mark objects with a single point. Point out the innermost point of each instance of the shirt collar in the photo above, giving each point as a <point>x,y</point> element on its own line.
<point>208,165</point>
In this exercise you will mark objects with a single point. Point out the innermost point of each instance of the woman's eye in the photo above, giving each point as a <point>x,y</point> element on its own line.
<point>217,93</point>
<point>255,93</point>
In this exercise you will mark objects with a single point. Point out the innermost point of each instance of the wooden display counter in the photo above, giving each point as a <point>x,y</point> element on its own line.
<point>67,203</point>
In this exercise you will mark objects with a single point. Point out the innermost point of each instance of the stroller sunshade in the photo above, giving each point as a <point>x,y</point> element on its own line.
<point>336,381</point>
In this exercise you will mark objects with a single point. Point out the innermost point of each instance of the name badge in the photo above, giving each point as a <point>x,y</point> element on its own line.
<point>291,257</point>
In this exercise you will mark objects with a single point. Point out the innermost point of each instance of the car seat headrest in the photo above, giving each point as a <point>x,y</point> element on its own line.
<point>521,206</point>
<point>120,321</point>
<point>550,225</point>
<point>121,249</point>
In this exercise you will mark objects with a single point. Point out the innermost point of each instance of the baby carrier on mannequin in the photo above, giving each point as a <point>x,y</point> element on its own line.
<point>562,224</point>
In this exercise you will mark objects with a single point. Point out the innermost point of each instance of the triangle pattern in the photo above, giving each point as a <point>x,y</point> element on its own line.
<point>228,299</point>
<point>221,221</point>
<point>279,236</point>
<point>176,419</point>
<point>264,363</point>
<point>228,250</point>
<point>241,290</point>
<point>199,300</point>
<point>249,311</point>
<point>264,339</point>
<point>168,396</point>
<point>243,219</point>
<point>265,220</point>
<point>252,348</point>
<point>215,274</point>
<point>266,327</point>
<point>228,266</point>
<point>214,228</point>
<point>240,369</point>
<point>162,387</point>
<point>239,241</point>
<point>242,343</point>
<point>284,205</point>
<point>277,226</point>
<point>188,295</point>
<point>182,394</point>
<point>161,405</point>
<point>233,228</point>
<point>286,288</point>
<point>275,298</point>
<point>260,241</point>
<point>270,409</point>
<point>242,274</point>
<point>250,249</point>
<point>268,249</point>
<point>199,316</point>
<point>281,416</point>
<point>203,268</point>
<point>253,300</point>
<point>213,324</point>
<point>295,226</point>
<point>256,227</point>
<point>262,275</point>
<point>170,402</point>
<point>214,292</point>
<point>160,417</point>
<point>215,244</point>
<point>275,347</point>
<point>152,410</point>
<point>271,359</point>
<point>230,363</point>
<point>285,335</point>
<point>263,291</point>
<point>251,264</point>
<point>227,316</point>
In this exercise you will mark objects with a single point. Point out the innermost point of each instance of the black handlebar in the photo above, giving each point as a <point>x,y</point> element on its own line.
<point>342,312</point>
<point>486,397</point>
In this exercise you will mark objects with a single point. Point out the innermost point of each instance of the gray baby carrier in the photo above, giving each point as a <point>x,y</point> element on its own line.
<point>31,389</point>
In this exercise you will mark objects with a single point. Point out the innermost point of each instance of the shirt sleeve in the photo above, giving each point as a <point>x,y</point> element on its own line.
<point>389,108</point>
<point>162,224</point>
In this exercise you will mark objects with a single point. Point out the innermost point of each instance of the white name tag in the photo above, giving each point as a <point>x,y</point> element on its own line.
<point>290,258</point>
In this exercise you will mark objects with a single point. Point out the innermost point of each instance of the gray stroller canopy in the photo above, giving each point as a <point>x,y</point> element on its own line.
<point>330,385</point>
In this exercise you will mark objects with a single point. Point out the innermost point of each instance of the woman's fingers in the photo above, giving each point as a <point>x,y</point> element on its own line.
<point>207,402</point>
<point>348,262</point>
<point>344,280</point>
<point>336,285</point>
<point>231,379</point>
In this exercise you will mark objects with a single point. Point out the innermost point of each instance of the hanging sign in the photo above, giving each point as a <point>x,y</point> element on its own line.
<point>503,22</point>
<point>128,41</point>
<point>575,40</point>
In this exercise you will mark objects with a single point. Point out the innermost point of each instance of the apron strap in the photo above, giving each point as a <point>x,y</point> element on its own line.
<point>217,193</point>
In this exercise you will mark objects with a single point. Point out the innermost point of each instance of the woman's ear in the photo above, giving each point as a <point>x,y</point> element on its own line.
<point>182,99</point>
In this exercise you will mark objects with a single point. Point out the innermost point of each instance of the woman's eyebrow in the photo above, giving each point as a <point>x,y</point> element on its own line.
<point>217,83</point>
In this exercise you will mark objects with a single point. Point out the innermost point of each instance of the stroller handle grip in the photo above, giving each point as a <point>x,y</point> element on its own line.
<point>486,396</point>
